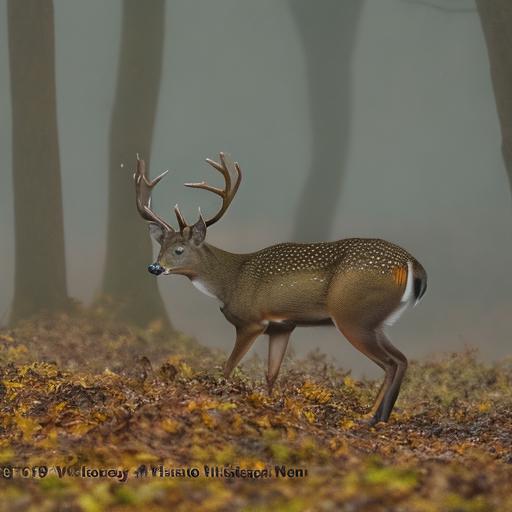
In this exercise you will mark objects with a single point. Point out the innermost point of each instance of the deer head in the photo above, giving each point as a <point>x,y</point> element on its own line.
<point>181,251</point>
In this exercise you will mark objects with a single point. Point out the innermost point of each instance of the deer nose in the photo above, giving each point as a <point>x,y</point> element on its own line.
<point>155,268</point>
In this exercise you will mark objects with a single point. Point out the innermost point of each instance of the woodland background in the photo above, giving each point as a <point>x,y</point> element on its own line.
<point>349,118</point>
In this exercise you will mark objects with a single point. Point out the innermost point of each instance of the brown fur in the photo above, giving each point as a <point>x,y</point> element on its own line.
<point>355,284</point>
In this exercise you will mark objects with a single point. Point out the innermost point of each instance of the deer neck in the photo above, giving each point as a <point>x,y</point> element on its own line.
<point>217,271</point>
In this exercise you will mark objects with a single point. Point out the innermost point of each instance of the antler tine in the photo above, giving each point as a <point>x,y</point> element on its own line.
<point>143,188</point>
<point>228,193</point>
<point>223,168</point>
<point>181,220</point>
<point>205,186</point>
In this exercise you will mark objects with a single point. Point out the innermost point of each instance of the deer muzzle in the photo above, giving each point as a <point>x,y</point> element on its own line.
<point>155,268</point>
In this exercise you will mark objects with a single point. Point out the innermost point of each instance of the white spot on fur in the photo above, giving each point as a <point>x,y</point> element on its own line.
<point>203,288</point>
<point>393,317</point>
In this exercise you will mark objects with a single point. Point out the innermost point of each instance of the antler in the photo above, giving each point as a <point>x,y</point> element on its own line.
<point>227,194</point>
<point>143,188</point>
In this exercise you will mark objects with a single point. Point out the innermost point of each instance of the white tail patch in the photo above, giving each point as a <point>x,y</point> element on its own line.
<point>407,297</point>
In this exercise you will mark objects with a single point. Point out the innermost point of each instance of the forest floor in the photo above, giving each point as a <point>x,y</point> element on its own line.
<point>84,393</point>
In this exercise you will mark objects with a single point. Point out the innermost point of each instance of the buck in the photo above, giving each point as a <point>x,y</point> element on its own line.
<point>358,284</point>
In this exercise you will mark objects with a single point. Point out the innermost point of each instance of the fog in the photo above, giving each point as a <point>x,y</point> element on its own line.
<point>422,167</point>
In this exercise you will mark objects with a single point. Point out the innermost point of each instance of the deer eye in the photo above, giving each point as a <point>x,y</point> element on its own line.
<point>179,250</point>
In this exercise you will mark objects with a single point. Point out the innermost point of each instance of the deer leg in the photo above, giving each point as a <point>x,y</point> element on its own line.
<point>245,337</point>
<point>389,400</point>
<point>278,337</point>
<point>367,342</point>
<point>376,409</point>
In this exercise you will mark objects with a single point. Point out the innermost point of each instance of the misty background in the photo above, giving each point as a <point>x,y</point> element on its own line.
<point>390,102</point>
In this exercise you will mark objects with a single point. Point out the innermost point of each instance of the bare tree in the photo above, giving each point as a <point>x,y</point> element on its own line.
<point>328,31</point>
<point>134,292</point>
<point>496,19</point>
<point>40,268</point>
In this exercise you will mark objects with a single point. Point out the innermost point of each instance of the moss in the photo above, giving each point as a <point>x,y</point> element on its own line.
<point>81,389</point>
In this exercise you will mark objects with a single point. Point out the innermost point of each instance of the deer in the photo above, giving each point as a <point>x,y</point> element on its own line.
<point>359,285</point>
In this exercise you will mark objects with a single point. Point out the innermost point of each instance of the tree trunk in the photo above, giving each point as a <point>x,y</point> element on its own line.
<point>40,268</point>
<point>496,19</point>
<point>328,33</point>
<point>133,290</point>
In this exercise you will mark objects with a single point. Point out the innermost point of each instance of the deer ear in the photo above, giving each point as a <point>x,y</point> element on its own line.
<point>198,231</point>
<point>156,232</point>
